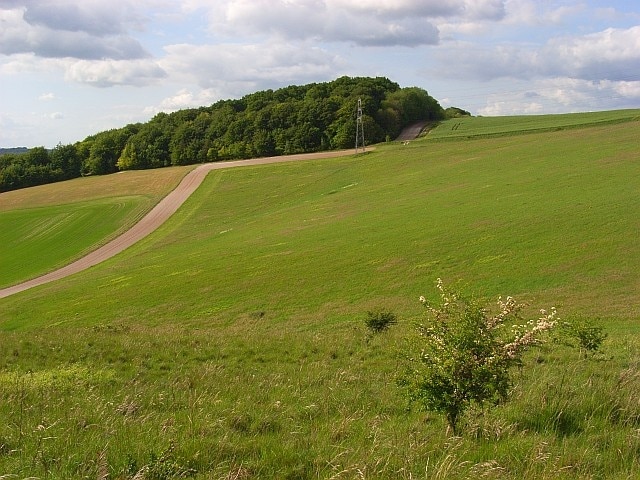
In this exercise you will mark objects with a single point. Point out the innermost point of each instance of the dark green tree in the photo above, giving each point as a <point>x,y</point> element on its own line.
<point>66,160</point>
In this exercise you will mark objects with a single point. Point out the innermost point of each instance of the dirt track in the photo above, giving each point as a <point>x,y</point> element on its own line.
<point>156,217</point>
<point>412,131</point>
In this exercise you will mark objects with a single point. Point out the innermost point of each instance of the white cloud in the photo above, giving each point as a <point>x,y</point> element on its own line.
<point>28,63</point>
<point>591,95</point>
<point>612,54</point>
<point>236,69</point>
<point>498,106</point>
<point>365,23</point>
<point>98,18</point>
<point>97,73</point>
<point>47,96</point>
<point>184,98</point>
<point>56,116</point>
<point>493,10</point>
<point>378,23</point>
<point>58,29</point>
<point>541,14</point>
<point>108,73</point>
<point>399,8</point>
<point>626,90</point>
<point>562,94</point>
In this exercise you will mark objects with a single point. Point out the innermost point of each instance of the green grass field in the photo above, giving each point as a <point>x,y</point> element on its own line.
<point>46,227</point>
<point>33,242</point>
<point>231,342</point>
<point>474,127</point>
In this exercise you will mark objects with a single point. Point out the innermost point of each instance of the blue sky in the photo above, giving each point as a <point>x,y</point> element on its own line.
<point>69,69</point>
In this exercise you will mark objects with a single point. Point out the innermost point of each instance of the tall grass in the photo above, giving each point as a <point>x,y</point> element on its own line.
<point>232,342</point>
<point>270,402</point>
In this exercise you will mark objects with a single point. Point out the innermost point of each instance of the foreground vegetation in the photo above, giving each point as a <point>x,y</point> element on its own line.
<point>233,343</point>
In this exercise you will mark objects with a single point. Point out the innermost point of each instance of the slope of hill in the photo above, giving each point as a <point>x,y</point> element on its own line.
<point>231,344</point>
<point>82,223</point>
<point>474,127</point>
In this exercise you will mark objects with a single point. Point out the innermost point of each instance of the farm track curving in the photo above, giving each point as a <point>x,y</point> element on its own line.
<point>156,217</point>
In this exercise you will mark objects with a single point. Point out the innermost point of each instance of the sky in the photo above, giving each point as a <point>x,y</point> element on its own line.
<point>70,68</point>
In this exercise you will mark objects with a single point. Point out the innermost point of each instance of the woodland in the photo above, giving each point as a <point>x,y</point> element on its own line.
<point>290,120</point>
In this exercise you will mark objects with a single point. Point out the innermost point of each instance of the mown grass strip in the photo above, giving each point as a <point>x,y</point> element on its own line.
<point>484,127</point>
<point>40,239</point>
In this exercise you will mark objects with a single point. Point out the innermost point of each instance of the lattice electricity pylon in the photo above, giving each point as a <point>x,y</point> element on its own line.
<point>359,128</point>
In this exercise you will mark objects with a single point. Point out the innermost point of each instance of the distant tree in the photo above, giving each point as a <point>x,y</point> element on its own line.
<point>84,150</point>
<point>389,120</point>
<point>66,159</point>
<point>11,172</point>
<point>38,156</point>
<point>263,143</point>
<point>413,104</point>
<point>455,112</point>
<point>37,166</point>
<point>187,144</point>
<point>105,151</point>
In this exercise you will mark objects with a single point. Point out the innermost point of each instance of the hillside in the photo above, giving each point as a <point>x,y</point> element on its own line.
<point>231,342</point>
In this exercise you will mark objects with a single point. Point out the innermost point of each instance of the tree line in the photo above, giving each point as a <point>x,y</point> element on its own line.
<point>294,119</point>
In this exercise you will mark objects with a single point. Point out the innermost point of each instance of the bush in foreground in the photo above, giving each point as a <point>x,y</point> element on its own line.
<point>463,355</point>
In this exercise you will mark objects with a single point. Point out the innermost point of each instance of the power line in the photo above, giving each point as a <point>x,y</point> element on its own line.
<point>359,126</point>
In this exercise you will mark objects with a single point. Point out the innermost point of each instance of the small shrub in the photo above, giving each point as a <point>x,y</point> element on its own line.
<point>584,334</point>
<point>463,355</point>
<point>380,320</point>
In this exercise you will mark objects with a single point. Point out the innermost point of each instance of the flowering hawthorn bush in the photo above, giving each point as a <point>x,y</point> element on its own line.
<point>463,354</point>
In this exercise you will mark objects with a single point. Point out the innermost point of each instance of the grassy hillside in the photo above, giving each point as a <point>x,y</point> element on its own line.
<point>230,343</point>
<point>45,227</point>
<point>491,126</point>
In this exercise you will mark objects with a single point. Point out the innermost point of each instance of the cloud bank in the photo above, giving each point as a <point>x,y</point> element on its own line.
<point>612,54</point>
<point>259,41</point>
<point>58,29</point>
